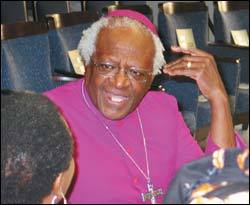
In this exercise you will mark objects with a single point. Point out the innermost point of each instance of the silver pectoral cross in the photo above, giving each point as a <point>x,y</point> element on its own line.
<point>151,194</point>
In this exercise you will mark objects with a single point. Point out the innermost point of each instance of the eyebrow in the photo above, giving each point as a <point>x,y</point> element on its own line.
<point>109,58</point>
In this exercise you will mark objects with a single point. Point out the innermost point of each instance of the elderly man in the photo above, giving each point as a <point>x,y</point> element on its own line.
<point>131,142</point>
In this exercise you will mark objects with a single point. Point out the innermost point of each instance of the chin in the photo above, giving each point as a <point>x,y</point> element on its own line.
<point>115,111</point>
<point>114,116</point>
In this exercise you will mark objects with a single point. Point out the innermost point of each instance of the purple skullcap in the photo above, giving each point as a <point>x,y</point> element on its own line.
<point>136,16</point>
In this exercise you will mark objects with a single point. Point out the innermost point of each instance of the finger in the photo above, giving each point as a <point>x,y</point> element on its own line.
<point>181,69</point>
<point>198,52</point>
<point>191,51</point>
<point>173,63</point>
<point>178,49</point>
<point>180,64</point>
<point>187,59</point>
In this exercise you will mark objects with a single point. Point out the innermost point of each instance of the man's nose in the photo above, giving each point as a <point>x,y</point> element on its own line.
<point>121,79</point>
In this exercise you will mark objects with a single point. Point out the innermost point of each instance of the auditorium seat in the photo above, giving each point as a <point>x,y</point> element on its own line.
<point>182,15</point>
<point>97,6</point>
<point>194,15</point>
<point>228,16</point>
<point>13,12</point>
<point>65,31</point>
<point>186,92</point>
<point>25,59</point>
<point>132,3</point>
<point>43,8</point>
<point>229,69</point>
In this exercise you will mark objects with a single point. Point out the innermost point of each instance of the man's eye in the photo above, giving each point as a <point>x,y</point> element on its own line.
<point>104,66</point>
<point>134,72</point>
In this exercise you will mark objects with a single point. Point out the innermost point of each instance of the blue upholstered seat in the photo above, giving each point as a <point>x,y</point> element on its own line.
<point>132,2</point>
<point>97,6</point>
<point>182,15</point>
<point>64,35</point>
<point>61,41</point>
<point>186,92</point>
<point>25,60</point>
<point>229,69</point>
<point>230,15</point>
<point>192,15</point>
<point>8,8</point>
<point>42,8</point>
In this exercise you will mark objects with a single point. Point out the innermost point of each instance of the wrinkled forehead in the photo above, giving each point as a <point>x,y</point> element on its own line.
<point>125,39</point>
<point>124,29</point>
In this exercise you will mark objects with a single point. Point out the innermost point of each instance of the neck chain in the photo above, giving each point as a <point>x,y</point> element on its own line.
<point>151,192</point>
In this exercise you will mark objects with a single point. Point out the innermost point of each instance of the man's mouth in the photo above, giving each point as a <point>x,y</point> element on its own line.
<point>116,99</point>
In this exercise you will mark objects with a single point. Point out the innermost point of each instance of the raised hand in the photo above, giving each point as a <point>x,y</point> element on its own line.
<point>199,66</point>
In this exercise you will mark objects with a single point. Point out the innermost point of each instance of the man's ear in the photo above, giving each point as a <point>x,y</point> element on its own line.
<point>55,191</point>
<point>150,81</point>
<point>88,74</point>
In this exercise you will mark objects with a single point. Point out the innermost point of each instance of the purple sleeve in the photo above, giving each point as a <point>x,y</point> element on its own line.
<point>211,146</point>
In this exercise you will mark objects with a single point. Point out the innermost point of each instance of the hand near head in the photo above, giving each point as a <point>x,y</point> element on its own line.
<point>199,66</point>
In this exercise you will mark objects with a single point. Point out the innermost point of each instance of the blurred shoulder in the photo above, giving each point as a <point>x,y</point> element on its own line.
<point>159,100</point>
<point>66,91</point>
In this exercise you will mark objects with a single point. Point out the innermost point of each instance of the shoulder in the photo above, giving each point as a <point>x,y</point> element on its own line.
<point>66,92</point>
<point>160,100</point>
<point>67,97</point>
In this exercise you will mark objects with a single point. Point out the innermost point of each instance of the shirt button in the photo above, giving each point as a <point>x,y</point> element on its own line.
<point>120,123</point>
<point>129,150</point>
<point>135,180</point>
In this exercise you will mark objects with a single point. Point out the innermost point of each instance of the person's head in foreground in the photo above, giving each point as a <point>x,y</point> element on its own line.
<point>222,178</point>
<point>36,150</point>
<point>121,57</point>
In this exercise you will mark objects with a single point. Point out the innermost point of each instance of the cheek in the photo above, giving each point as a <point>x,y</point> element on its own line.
<point>139,92</point>
<point>94,86</point>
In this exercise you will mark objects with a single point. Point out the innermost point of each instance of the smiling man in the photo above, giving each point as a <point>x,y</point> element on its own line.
<point>120,72</point>
<point>131,142</point>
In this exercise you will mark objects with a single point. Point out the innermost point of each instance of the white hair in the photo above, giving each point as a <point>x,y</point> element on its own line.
<point>87,44</point>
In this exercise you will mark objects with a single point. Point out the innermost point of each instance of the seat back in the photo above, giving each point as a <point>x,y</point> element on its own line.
<point>25,60</point>
<point>186,92</point>
<point>183,15</point>
<point>97,6</point>
<point>65,31</point>
<point>229,69</point>
<point>43,8</point>
<point>132,2</point>
<point>228,16</point>
<point>18,8</point>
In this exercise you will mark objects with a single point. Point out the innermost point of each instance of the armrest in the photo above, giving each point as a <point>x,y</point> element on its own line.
<point>223,44</point>
<point>65,76</point>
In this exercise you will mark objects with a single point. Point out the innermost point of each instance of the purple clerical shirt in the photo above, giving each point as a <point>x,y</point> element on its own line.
<point>105,174</point>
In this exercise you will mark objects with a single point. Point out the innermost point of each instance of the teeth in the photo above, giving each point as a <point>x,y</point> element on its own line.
<point>117,98</point>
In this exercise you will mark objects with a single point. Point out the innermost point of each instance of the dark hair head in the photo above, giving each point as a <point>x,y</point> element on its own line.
<point>219,178</point>
<point>36,147</point>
